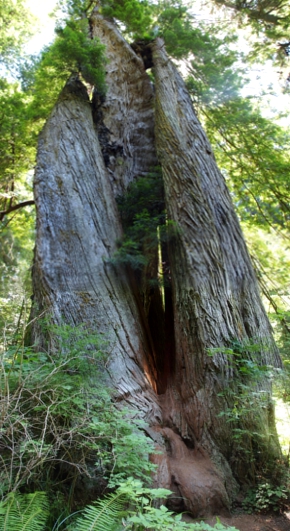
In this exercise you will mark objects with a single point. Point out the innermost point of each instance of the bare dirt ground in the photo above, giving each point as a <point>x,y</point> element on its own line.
<point>254,522</point>
<point>257,522</point>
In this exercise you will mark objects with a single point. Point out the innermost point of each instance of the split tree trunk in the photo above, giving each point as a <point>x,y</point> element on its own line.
<point>213,299</point>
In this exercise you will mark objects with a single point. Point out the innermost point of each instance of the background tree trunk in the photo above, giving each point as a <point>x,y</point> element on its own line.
<point>213,299</point>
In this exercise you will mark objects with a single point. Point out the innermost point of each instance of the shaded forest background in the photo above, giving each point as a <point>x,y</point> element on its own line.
<point>252,152</point>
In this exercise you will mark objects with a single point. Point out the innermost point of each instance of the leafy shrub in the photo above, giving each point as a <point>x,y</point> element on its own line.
<point>146,227</point>
<point>129,508</point>
<point>266,497</point>
<point>247,405</point>
<point>74,51</point>
<point>135,15</point>
<point>59,422</point>
<point>142,211</point>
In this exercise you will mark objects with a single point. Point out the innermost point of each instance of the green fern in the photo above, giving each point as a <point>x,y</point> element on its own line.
<point>104,515</point>
<point>24,512</point>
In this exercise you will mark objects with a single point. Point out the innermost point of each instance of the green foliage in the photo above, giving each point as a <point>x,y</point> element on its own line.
<point>266,497</point>
<point>136,15</point>
<point>18,138</point>
<point>142,212</point>
<point>15,29</point>
<point>213,78</point>
<point>17,152</point>
<point>244,355</point>
<point>145,193</point>
<point>158,519</point>
<point>72,9</point>
<point>282,418</point>
<point>146,230</point>
<point>281,322</point>
<point>248,397</point>
<point>59,415</point>
<point>146,516</point>
<point>130,507</point>
<point>257,171</point>
<point>268,20</point>
<point>182,37</point>
<point>72,52</point>
<point>104,515</point>
<point>210,59</point>
<point>24,512</point>
<point>271,259</point>
<point>134,505</point>
<point>17,241</point>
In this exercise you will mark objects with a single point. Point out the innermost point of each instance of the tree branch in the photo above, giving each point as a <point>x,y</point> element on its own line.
<point>12,208</point>
<point>254,14</point>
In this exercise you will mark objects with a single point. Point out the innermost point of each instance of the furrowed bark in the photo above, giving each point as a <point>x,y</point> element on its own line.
<point>215,294</point>
<point>211,293</point>
<point>125,117</point>
<point>77,230</point>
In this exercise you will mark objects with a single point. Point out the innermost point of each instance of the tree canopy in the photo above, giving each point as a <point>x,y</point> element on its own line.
<point>16,28</point>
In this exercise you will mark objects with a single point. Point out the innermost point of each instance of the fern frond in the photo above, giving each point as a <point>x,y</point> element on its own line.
<point>104,515</point>
<point>24,512</point>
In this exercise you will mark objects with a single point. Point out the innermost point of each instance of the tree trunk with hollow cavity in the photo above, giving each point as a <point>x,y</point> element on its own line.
<point>213,298</point>
<point>215,293</point>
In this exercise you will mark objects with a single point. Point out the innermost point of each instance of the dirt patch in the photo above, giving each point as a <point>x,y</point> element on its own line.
<point>253,522</point>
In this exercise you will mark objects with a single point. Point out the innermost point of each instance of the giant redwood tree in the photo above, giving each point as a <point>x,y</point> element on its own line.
<point>187,332</point>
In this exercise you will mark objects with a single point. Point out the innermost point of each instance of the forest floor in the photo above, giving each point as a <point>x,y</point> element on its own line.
<point>254,522</point>
<point>257,522</point>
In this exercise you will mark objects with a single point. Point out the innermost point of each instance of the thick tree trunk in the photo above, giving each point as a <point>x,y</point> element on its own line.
<point>213,300</point>
<point>77,230</point>
<point>124,119</point>
<point>216,302</point>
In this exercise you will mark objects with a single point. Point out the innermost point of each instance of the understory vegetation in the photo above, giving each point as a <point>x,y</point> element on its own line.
<point>63,434</point>
<point>62,430</point>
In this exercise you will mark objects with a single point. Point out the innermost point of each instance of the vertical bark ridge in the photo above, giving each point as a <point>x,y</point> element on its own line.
<point>77,229</point>
<point>125,124</point>
<point>213,297</point>
<point>127,111</point>
<point>215,292</point>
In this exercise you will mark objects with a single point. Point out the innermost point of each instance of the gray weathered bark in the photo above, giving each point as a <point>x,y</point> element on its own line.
<point>215,293</point>
<point>214,296</point>
<point>126,117</point>
<point>77,230</point>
